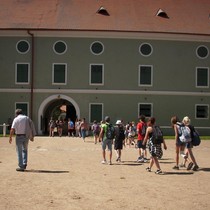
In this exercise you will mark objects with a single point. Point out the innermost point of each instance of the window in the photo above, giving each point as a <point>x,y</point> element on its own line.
<point>202,111</point>
<point>145,49</point>
<point>145,109</point>
<point>97,48</point>
<point>23,106</point>
<point>96,74</point>
<point>202,77</point>
<point>202,52</point>
<point>23,46</point>
<point>60,47</point>
<point>59,74</point>
<point>22,73</point>
<point>145,75</point>
<point>96,112</point>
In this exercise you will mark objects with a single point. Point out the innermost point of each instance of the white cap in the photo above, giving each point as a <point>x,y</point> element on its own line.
<point>118,122</point>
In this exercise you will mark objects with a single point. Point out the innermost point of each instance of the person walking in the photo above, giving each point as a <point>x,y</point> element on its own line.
<point>155,149</point>
<point>119,138</point>
<point>141,131</point>
<point>96,130</point>
<point>24,129</point>
<point>83,128</point>
<point>107,134</point>
<point>193,164</point>
<point>180,146</point>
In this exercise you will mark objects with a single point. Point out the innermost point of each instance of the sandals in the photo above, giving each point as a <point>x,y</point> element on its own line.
<point>148,169</point>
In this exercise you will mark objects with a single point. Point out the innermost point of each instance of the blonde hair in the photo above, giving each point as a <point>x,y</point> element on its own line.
<point>186,120</point>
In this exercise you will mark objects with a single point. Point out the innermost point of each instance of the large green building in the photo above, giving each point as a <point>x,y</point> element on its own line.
<point>102,57</point>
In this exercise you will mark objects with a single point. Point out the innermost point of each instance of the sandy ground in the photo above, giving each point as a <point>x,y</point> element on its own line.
<point>66,173</point>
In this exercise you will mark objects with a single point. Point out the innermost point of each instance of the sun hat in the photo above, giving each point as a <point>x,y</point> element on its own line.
<point>118,122</point>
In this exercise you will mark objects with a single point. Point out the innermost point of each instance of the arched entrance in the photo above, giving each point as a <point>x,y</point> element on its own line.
<point>56,106</point>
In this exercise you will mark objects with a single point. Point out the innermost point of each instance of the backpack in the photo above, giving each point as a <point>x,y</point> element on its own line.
<point>143,129</point>
<point>184,133</point>
<point>157,135</point>
<point>121,133</point>
<point>110,132</point>
<point>195,138</point>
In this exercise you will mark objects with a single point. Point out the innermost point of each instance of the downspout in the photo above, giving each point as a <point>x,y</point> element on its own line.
<point>32,75</point>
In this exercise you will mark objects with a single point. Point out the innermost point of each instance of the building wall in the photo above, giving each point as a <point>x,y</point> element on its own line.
<point>173,91</point>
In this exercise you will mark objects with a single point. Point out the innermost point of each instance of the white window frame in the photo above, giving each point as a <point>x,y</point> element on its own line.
<point>196,111</point>
<point>90,73</point>
<point>90,110</point>
<point>53,74</point>
<point>23,41</point>
<point>139,76</point>
<point>16,74</point>
<point>63,43</point>
<point>145,104</point>
<point>92,45</point>
<point>142,53</point>
<point>197,51</point>
<point>196,76</point>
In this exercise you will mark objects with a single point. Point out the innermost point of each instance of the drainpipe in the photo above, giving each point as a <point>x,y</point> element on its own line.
<point>32,75</point>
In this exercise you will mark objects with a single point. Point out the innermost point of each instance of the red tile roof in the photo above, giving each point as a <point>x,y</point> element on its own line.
<point>184,16</point>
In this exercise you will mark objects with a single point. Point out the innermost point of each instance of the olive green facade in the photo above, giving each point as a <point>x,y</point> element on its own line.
<point>173,89</point>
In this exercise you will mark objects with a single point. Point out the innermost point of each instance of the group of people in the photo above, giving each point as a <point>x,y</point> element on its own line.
<point>105,133</point>
<point>145,130</point>
<point>74,129</point>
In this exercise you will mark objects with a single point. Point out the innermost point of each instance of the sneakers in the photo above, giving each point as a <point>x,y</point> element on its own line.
<point>103,162</point>
<point>158,172</point>
<point>148,169</point>
<point>118,160</point>
<point>141,160</point>
<point>195,168</point>
<point>176,168</point>
<point>145,160</point>
<point>189,167</point>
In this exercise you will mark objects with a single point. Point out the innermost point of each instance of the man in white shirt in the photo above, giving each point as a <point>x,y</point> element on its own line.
<point>19,127</point>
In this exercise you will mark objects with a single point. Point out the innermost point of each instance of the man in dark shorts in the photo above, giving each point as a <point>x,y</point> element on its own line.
<point>141,130</point>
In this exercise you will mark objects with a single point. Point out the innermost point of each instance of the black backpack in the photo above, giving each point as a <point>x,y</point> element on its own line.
<point>110,132</point>
<point>157,135</point>
<point>143,130</point>
<point>121,133</point>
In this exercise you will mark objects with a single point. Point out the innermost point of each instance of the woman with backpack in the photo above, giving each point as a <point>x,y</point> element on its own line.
<point>180,146</point>
<point>155,149</point>
<point>192,165</point>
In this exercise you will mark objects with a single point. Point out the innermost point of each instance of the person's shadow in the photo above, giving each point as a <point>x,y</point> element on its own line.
<point>204,169</point>
<point>46,171</point>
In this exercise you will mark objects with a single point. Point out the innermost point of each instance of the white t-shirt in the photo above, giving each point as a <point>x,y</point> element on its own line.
<point>19,124</point>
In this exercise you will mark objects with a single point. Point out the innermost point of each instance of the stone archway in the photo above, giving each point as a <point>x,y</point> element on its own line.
<point>54,99</point>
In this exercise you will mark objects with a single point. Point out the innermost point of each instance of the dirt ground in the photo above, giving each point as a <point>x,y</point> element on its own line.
<point>66,173</point>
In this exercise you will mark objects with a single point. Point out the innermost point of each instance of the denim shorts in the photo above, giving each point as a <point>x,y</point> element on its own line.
<point>108,143</point>
<point>179,143</point>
